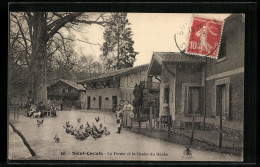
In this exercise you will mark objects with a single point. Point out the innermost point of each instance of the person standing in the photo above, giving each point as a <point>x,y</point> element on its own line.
<point>53,110</point>
<point>127,114</point>
<point>165,109</point>
<point>121,108</point>
<point>119,116</point>
<point>41,109</point>
<point>61,105</point>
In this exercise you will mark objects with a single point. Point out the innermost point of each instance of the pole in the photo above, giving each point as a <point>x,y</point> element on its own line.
<point>169,124</point>
<point>204,96</point>
<point>220,132</point>
<point>150,119</point>
<point>192,132</point>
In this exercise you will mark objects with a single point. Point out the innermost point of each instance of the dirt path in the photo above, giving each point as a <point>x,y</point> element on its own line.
<point>125,146</point>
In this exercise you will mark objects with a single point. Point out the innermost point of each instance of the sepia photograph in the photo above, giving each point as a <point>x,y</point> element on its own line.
<point>126,86</point>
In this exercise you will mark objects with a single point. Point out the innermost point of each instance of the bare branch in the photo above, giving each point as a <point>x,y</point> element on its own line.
<point>59,24</point>
<point>25,41</point>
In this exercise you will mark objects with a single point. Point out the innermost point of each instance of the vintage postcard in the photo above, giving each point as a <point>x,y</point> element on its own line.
<point>126,86</point>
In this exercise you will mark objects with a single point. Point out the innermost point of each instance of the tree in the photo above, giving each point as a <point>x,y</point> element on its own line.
<point>117,50</point>
<point>138,96</point>
<point>38,30</point>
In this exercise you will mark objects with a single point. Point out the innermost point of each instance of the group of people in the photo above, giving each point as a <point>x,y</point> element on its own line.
<point>124,113</point>
<point>39,110</point>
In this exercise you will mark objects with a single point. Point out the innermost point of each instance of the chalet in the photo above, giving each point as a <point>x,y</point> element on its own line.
<point>105,91</point>
<point>66,92</point>
<point>183,80</point>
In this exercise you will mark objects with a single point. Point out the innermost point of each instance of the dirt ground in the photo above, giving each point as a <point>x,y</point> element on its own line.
<point>124,146</point>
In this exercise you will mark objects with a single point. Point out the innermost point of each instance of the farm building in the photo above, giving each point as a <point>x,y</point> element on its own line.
<point>67,93</point>
<point>105,91</point>
<point>183,80</point>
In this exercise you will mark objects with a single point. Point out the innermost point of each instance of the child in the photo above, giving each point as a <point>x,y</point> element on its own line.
<point>119,117</point>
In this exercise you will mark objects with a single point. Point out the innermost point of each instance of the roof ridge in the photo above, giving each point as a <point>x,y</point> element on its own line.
<point>115,72</point>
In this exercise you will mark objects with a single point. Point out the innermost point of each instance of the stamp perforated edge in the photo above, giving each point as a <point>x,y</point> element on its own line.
<point>220,39</point>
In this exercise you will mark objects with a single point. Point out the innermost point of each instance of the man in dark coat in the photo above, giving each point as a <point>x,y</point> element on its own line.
<point>41,108</point>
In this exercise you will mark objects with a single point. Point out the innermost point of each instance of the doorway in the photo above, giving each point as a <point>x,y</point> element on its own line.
<point>220,100</point>
<point>100,102</point>
<point>88,104</point>
<point>194,100</point>
<point>114,102</point>
<point>166,94</point>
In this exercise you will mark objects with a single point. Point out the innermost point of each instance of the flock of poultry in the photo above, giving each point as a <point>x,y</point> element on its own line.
<point>82,132</point>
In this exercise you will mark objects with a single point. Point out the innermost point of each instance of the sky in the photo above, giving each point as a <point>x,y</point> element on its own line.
<point>152,32</point>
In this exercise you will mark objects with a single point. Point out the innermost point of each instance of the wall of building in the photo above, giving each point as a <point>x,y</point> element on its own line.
<point>83,99</point>
<point>105,93</point>
<point>234,32</point>
<point>128,82</point>
<point>236,102</point>
<point>168,81</point>
<point>232,68</point>
<point>189,75</point>
<point>127,94</point>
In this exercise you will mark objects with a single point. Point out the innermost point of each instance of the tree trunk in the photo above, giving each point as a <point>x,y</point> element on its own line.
<point>39,42</point>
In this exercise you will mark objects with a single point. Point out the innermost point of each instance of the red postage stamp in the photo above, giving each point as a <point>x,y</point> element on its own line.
<point>205,37</point>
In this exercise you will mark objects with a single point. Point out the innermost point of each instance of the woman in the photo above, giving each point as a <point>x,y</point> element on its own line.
<point>127,114</point>
<point>32,109</point>
<point>165,108</point>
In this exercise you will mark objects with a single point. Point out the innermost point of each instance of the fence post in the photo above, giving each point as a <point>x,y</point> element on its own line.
<point>220,132</point>
<point>151,119</point>
<point>169,125</point>
<point>138,117</point>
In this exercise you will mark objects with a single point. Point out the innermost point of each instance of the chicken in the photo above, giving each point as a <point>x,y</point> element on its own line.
<point>95,134</point>
<point>187,153</point>
<point>56,139</point>
<point>78,119</point>
<point>97,119</point>
<point>106,132</point>
<point>68,124</point>
<point>39,123</point>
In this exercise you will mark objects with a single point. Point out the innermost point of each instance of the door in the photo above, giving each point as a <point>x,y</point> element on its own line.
<point>100,102</point>
<point>88,104</point>
<point>194,100</point>
<point>114,102</point>
<point>220,103</point>
<point>166,94</point>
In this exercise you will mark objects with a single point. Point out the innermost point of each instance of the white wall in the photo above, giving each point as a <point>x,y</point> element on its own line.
<point>107,92</point>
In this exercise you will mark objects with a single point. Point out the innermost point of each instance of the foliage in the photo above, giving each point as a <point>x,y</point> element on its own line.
<point>138,96</point>
<point>118,43</point>
<point>40,45</point>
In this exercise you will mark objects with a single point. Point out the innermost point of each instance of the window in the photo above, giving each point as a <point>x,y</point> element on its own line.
<point>222,98</point>
<point>194,100</point>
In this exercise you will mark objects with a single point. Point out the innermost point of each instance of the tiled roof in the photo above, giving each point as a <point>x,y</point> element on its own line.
<point>116,73</point>
<point>178,57</point>
<point>71,83</point>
